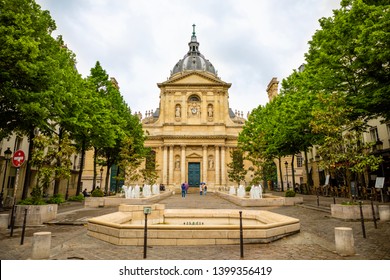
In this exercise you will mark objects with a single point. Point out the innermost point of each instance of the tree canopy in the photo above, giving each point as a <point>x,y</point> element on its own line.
<point>343,84</point>
<point>42,91</point>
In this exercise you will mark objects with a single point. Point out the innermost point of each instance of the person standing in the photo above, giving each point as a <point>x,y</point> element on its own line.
<point>183,190</point>
<point>201,189</point>
<point>187,186</point>
<point>204,189</point>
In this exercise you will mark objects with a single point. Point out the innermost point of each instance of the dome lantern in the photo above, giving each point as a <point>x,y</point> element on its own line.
<point>193,60</point>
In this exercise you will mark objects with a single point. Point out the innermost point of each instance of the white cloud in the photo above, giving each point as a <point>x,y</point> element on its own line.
<point>139,42</point>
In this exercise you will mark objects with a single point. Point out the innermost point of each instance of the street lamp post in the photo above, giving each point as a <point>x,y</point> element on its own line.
<point>101,178</point>
<point>286,165</point>
<point>7,157</point>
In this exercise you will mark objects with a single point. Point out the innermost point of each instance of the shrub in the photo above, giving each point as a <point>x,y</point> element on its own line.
<point>56,199</point>
<point>32,201</point>
<point>97,193</point>
<point>290,193</point>
<point>79,197</point>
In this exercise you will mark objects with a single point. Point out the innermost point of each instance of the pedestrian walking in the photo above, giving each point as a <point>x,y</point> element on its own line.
<point>201,189</point>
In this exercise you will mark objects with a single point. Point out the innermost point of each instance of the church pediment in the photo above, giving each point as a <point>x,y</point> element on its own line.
<point>194,155</point>
<point>194,78</point>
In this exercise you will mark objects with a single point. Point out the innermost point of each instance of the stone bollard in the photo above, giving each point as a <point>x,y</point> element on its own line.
<point>41,245</point>
<point>384,212</point>
<point>344,241</point>
<point>4,220</point>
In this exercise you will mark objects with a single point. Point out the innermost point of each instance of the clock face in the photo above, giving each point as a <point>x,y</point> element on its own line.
<point>193,110</point>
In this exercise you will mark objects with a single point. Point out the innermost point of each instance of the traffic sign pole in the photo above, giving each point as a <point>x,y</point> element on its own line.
<point>17,161</point>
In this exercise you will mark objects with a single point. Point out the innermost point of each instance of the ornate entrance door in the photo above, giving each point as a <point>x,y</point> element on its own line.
<point>194,174</point>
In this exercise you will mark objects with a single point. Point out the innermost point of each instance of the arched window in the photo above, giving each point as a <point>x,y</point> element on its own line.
<point>193,98</point>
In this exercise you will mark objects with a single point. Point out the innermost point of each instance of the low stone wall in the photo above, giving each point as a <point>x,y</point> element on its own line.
<point>36,214</point>
<point>267,200</point>
<point>352,212</point>
<point>108,201</point>
<point>384,212</point>
<point>4,219</point>
<point>176,227</point>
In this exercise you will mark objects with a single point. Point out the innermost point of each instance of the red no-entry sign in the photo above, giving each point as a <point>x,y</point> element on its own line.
<point>18,158</point>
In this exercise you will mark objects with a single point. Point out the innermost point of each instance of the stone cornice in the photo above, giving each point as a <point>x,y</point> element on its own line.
<point>160,137</point>
<point>203,74</point>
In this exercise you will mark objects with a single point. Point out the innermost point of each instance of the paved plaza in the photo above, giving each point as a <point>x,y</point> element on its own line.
<point>316,240</point>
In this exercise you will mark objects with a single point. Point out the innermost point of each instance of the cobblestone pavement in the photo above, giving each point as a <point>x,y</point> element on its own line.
<point>314,242</point>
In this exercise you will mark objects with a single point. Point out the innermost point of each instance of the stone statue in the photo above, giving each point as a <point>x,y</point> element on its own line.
<point>178,112</point>
<point>232,190</point>
<point>210,112</point>
<point>211,163</point>
<point>256,192</point>
<point>241,191</point>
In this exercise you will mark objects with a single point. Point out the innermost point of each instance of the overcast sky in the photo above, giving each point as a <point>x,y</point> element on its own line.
<point>139,42</point>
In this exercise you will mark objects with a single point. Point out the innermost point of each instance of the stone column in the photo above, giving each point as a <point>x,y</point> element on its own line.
<point>171,165</point>
<point>344,241</point>
<point>183,164</point>
<point>41,245</point>
<point>205,163</point>
<point>217,166</point>
<point>223,170</point>
<point>165,166</point>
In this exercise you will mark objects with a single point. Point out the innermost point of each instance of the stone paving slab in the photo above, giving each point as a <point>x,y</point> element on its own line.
<point>314,242</point>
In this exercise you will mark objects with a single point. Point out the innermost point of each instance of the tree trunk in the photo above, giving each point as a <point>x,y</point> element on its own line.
<point>309,178</point>
<point>106,187</point>
<point>348,181</point>
<point>78,191</point>
<point>107,175</point>
<point>94,169</point>
<point>293,172</point>
<point>116,180</point>
<point>57,180</point>
<point>27,179</point>
<point>281,175</point>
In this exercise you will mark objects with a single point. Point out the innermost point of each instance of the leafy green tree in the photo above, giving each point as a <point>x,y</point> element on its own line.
<point>26,65</point>
<point>350,55</point>
<point>257,138</point>
<point>149,173</point>
<point>104,122</point>
<point>29,67</point>
<point>236,171</point>
<point>45,156</point>
<point>81,132</point>
<point>349,73</point>
<point>130,127</point>
<point>115,124</point>
<point>342,149</point>
<point>130,160</point>
<point>64,105</point>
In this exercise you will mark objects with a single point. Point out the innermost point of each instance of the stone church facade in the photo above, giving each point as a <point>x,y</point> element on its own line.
<point>193,130</point>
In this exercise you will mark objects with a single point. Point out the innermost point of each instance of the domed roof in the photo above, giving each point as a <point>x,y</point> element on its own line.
<point>193,60</point>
